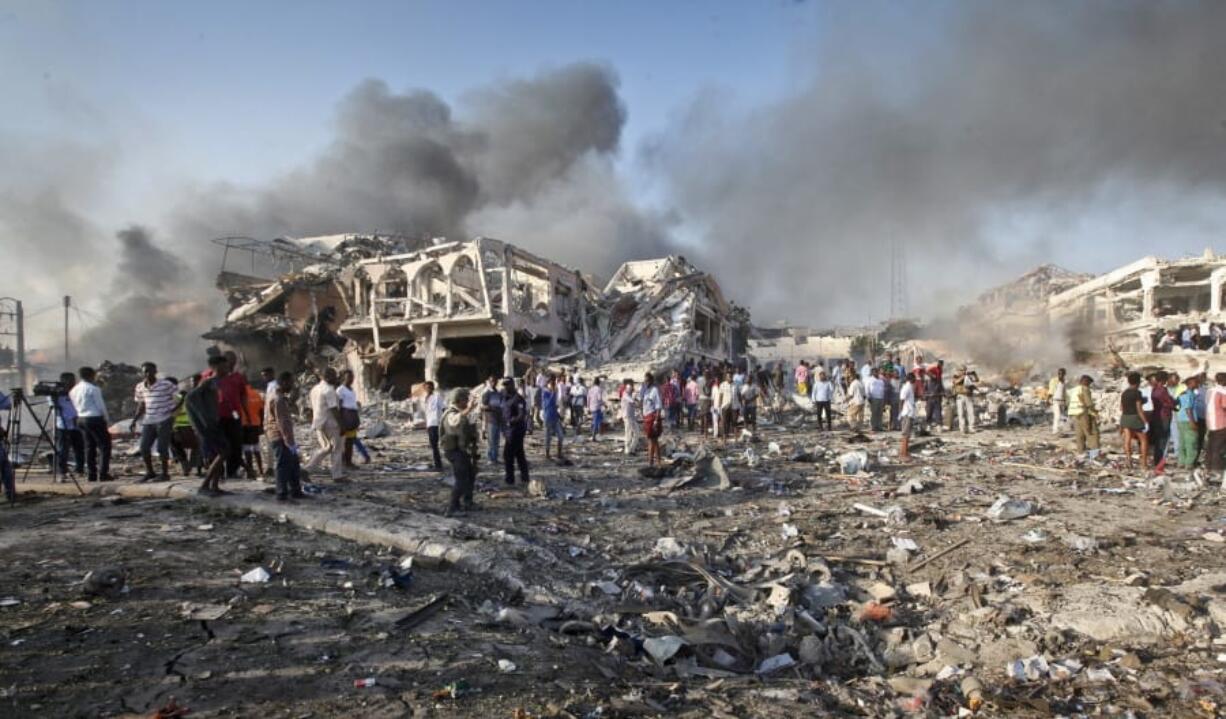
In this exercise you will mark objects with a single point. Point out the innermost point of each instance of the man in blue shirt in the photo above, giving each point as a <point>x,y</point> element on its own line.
<point>549,412</point>
<point>68,434</point>
<point>876,399</point>
<point>1187,424</point>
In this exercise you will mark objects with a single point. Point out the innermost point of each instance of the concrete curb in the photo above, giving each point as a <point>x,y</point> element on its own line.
<point>470,547</point>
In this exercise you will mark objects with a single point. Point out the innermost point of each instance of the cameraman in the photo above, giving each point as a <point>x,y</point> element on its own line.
<point>68,433</point>
<point>92,419</point>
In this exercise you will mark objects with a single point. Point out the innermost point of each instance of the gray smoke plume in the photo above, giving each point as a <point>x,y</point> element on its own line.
<point>933,138</point>
<point>409,163</point>
<point>150,317</point>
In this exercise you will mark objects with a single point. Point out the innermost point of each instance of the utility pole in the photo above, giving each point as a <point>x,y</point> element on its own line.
<point>67,357</point>
<point>12,311</point>
<point>21,344</point>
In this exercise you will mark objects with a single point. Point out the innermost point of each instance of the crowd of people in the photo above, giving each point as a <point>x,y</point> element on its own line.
<point>1160,415</point>
<point>217,424</point>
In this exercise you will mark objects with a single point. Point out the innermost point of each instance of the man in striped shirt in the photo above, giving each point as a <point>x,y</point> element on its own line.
<point>157,401</point>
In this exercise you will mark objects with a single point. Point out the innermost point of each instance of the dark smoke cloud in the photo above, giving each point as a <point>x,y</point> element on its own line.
<point>407,162</point>
<point>149,317</point>
<point>929,138</point>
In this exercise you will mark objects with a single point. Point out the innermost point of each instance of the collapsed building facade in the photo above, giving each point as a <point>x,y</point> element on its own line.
<point>402,312</point>
<point>1126,310</point>
<point>1117,317</point>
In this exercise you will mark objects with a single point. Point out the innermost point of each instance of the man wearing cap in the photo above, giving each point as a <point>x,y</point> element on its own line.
<point>514,426</point>
<point>1084,415</point>
<point>459,445</point>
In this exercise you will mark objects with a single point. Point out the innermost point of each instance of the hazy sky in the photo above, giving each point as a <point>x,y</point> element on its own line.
<point>779,143</point>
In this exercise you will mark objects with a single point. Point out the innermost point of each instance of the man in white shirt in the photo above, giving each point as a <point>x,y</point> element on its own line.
<point>875,389</point>
<point>93,421</point>
<point>906,397</point>
<point>156,403</point>
<point>629,419</point>
<point>823,395</point>
<point>856,400</point>
<point>595,405</point>
<point>578,402</point>
<point>435,406</point>
<point>653,420</point>
<point>326,421</point>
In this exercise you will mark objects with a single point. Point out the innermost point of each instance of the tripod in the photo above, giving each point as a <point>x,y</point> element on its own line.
<point>50,417</point>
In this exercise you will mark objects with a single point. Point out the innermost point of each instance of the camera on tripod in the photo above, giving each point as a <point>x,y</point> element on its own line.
<point>45,388</point>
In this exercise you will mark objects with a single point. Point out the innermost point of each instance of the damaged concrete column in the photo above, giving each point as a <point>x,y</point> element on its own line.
<point>432,355</point>
<point>508,353</point>
<point>1149,281</point>
<point>1215,289</point>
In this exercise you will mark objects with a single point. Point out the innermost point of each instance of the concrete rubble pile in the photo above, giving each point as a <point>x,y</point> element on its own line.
<point>399,313</point>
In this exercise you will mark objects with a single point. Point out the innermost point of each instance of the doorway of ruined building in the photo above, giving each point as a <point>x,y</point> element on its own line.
<point>470,360</point>
<point>403,371</point>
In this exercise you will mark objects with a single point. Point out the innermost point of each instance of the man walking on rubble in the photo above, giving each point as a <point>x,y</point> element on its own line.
<point>964,396</point>
<point>630,428</point>
<point>1160,419</point>
<point>1058,395</point>
<point>690,397</point>
<point>1082,411</point>
<point>906,397</point>
<point>1187,425</point>
<point>653,419</point>
<point>749,396</point>
<point>1215,424</point>
<point>231,389</point>
<point>326,421</point>
<point>491,413</point>
<point>552,416</point>
<point>156,403</point>
<point>876,399</point>
<point>435,406</point>
<point>92,419</point>
<point>823,396</point>
<point>459,443</point>
<point>578,403</point>
<point>515,426</point>
<point>856,399</point>
<point>203,411</point>
<point>279,430</point>
<point>595,407</point>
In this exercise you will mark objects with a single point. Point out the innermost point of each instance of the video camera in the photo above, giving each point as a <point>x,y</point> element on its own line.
<point>45,388</point>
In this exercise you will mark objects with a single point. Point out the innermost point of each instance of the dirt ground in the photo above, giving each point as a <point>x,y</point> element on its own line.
<point>1111,581</point>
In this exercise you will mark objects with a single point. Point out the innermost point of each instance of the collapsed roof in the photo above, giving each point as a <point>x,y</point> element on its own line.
<point>455,312</point>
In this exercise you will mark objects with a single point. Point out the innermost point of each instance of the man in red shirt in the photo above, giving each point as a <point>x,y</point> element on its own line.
<point>231,389</point>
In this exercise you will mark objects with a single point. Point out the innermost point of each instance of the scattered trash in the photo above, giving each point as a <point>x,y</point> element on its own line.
<point>775,663</point>
<point>364,683</point>
<point>506,666</point>
<point>661,649</point>
<point>1005,509</point>
<point>669,548</point>
<point>1028,669</point>
<point>853,462</point>
<point>259,575</point>
<point>105,582</point>
<point>9,602</point>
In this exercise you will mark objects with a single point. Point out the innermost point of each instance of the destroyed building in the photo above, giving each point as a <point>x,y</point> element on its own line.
<point>298,314</point>
<point>1127,309</point>
<point>402,312</point>
<point>458,312</point>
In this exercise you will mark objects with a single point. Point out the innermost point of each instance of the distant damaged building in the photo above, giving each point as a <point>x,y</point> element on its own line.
<point>454,313</point>
<point>1129,309</point>
<point>457,312</point>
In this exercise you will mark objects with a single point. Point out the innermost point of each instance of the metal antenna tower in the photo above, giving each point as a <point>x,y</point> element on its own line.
<point>898,281</point>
